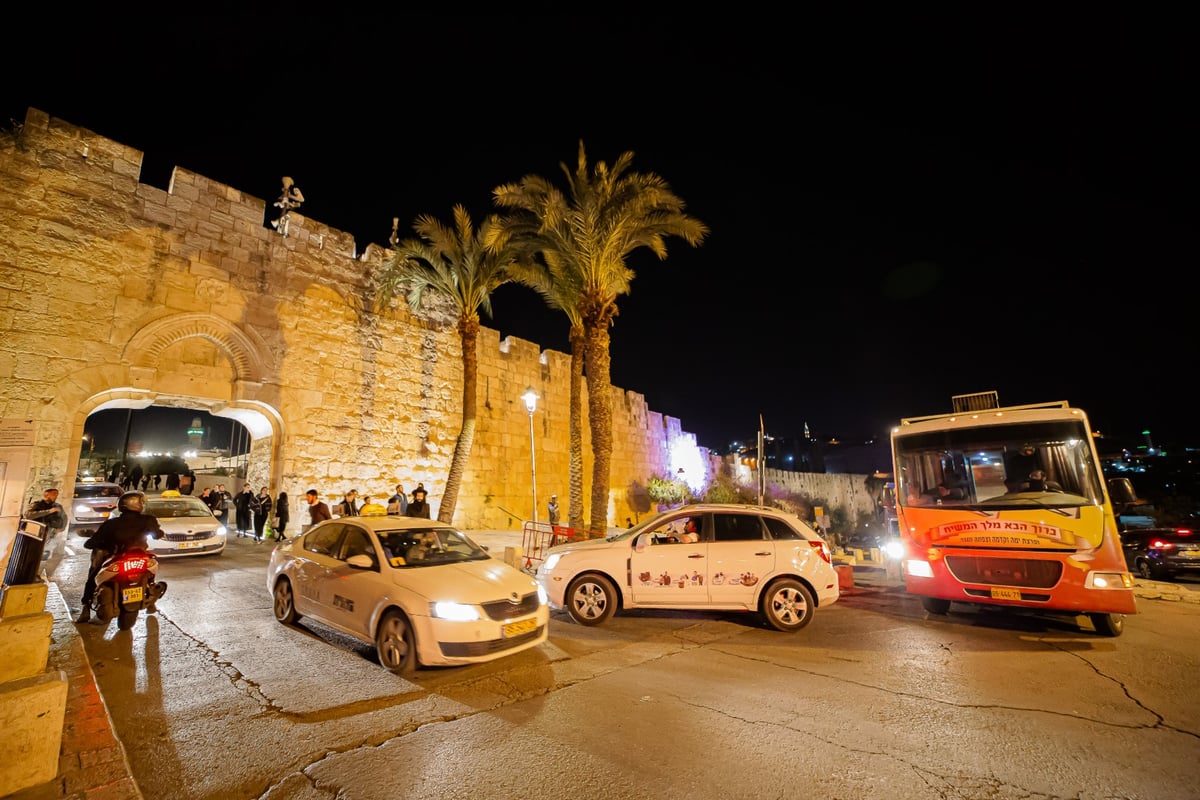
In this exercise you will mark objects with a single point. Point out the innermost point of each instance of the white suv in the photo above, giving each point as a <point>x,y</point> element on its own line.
<point>746,558</point>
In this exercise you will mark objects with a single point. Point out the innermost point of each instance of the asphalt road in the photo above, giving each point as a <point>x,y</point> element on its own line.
<point>215,699</point>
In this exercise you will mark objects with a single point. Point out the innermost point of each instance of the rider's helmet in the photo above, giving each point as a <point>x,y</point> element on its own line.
<point>132,501</point>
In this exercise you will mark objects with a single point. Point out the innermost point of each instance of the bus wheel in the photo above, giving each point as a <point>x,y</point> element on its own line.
<point>1108,624</point>
<point>935,605</point>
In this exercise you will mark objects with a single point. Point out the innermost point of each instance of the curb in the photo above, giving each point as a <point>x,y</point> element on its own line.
<point>92,762</point>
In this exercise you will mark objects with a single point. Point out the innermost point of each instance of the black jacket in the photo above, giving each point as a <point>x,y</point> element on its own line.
<point>117,533</point>
<point>51,515</point>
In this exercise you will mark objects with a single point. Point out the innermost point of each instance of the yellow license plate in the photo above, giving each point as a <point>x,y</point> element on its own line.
<point>1006,594</point>
<point>131,595</point>
<point>189,545</point>
<point>517,628</point>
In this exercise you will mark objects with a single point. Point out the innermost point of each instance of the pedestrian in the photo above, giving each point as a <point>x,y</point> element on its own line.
<point>219,501</point>
<point>260,506</point>
<point>372,509</point>
<point>49,512</point>
<point>317,510</point>
<point>114,535</point>
<point>172,481</point>
<point>347,507</point>
<point>145,482</point>
<point>282,512</point>
<point>206,497</point>
<point>157,481</point>
<point>398,503</point>
<point>418,507</point>
<point>552,509</point>
<point>242,514</point>
<point>135,477</point>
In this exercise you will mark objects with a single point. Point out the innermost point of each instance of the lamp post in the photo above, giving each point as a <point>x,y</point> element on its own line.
<point>683,490</point>
<point>530,397</point>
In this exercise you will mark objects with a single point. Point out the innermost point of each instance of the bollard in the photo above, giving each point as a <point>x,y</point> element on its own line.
<point>25,560</point>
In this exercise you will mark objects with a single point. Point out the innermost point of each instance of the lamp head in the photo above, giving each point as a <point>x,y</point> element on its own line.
<point>530,397</point>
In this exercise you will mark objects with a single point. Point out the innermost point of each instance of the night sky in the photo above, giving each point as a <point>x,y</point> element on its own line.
<point>901,209</point>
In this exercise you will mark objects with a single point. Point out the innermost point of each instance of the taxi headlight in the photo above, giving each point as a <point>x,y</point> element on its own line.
<point>220,531</point>
<point>457,612</point>
<point>551,562</point>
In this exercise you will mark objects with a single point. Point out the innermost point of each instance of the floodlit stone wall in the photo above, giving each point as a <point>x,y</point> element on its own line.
<point>117,294</point>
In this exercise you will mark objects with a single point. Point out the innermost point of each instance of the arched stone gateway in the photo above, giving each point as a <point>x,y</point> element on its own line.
<point>154,378</point>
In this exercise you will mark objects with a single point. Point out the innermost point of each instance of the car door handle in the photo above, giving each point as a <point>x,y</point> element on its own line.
<point>695,555</point>
<point>763,553</point>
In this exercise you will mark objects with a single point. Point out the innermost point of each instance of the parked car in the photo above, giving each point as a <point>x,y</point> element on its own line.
<point>94,502</point>
<point>748,558</point>
<point>1161,553</point>
<point>422,592</point>
<point>190,526</point>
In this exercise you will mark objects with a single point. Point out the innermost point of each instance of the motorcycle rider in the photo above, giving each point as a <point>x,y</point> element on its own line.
<point>114,535</point>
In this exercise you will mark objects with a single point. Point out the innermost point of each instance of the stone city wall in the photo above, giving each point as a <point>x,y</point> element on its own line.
<point>117,294</point>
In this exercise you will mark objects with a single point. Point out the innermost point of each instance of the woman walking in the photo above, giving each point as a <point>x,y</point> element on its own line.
<point>261,506</point>
<point>281,516</point>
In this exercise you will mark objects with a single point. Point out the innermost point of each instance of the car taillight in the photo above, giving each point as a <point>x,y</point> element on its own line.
<point>823,550</point>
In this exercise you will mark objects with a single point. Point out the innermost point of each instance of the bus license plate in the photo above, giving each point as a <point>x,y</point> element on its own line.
<point>517,628</point>
<point>1006,594</point>
<point>131,595</point>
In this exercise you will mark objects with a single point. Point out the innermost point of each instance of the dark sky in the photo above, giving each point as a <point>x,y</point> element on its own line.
<point>901,208</point>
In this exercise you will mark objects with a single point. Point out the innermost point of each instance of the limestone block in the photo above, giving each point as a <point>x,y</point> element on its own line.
<point>25,643</point>
<point>32,711</point>
<point>23,598</point>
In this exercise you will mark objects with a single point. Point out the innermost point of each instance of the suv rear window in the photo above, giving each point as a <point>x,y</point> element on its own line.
<point>97,490</point>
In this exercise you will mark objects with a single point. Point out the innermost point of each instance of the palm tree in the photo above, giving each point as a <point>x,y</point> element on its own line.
<point>561,290</point>
<point>589,234</point>
<point>466,266</point>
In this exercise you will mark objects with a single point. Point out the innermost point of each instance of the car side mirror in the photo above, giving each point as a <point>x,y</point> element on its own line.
<point>1120,491</point>
<point>641,542</point>
<point>361,561</point>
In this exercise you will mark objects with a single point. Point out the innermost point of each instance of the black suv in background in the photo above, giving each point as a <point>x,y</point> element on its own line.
<point>1161,553</point>
<point>94,502</point>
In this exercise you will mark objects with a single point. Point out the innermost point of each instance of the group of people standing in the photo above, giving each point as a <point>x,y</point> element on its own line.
<point>251,511</point>
<point>397,505</point>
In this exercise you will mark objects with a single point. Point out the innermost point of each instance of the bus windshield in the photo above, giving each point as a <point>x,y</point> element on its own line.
<point>1019,465</point>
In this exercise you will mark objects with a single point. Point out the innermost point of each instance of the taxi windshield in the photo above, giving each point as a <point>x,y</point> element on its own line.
<point>424,547</point>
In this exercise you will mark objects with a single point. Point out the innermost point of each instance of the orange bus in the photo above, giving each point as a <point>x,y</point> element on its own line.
<point>1008,507</point>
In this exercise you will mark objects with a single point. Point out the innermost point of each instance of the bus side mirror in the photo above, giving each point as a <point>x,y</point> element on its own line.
<point>1121,492</point>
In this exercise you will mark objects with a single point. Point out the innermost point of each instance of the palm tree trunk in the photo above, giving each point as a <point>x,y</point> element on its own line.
<point>575,466</point>
<point>468,331</point>
<point>600,414</point>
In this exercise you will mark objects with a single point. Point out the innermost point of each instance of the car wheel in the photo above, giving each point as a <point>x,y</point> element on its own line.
<point>788,605</point>
<point>285,602</point>
<point>395,644</point>
<point>591,599</point>
<point>935,605</point>
<point>1144,570</point>
<point>1108,624</point>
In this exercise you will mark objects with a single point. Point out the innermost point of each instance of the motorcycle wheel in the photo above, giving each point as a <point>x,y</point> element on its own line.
<point>125,619</point>
<point>104,604</point>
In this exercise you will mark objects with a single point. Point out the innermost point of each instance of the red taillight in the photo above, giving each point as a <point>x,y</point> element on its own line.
<point>823,549</point>
<point>1183,531</point>
<point>1159,544</point>
<point>132,566</point>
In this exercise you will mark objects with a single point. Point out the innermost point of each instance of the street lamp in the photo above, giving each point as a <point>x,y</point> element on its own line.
<point>683,491</point>
<point>530,397</point>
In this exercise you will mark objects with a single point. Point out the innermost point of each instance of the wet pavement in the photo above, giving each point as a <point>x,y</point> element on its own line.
<point>93,764</point>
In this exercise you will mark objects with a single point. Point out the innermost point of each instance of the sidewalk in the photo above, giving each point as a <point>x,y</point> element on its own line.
<point>93,764</point>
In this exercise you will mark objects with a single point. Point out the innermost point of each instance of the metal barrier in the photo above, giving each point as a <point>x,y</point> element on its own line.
<point>539,537</point>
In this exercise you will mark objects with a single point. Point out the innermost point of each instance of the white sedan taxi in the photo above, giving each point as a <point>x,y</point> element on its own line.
<point>423,593</point>
<point>189,525</point>
<point>712,556</point>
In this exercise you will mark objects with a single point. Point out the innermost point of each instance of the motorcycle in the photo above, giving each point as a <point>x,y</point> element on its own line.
<point>125,585</point>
